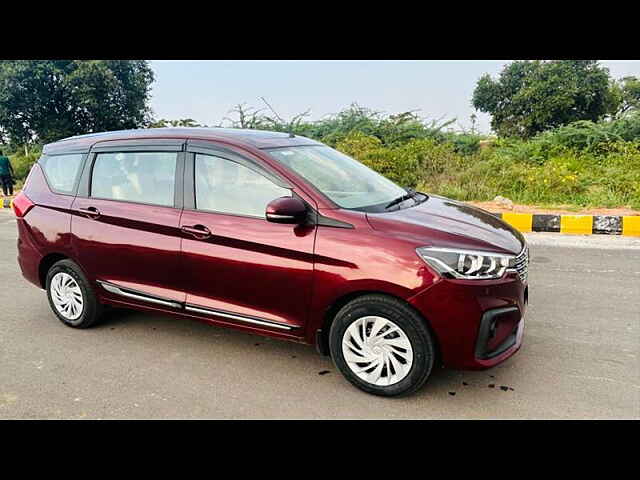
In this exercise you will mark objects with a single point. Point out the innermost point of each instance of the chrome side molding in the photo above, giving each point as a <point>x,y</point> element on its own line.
<point>241,318</point>
<point>144,297</point>
<point>128,293</point>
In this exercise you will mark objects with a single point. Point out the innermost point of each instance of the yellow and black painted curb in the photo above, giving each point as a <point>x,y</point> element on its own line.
<point>574,224</point>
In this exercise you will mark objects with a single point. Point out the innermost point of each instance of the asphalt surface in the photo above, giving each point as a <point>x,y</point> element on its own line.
<point>580,357</point>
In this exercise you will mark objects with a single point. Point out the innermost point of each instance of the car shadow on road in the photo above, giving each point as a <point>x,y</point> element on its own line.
<point>176,331</point>
<point>204,333</point>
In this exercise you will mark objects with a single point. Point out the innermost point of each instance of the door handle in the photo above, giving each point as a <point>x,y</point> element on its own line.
<point>198,231</point>
<point>91,212</point>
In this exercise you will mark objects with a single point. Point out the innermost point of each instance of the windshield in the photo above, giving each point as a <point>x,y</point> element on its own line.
<point>345,181</point>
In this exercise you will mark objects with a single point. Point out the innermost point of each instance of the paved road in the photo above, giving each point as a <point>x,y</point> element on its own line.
<point>580,357</point>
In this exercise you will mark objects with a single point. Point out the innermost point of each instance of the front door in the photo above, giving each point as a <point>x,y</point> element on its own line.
<point>240,268</point>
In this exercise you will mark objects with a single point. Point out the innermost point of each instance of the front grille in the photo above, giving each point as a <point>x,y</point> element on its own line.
<point>522,264</point>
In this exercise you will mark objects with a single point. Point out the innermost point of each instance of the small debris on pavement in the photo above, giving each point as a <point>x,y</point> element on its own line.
<point>323,372</point>
<point>504,388</point>
<point>452,393</point>
<point>492,385</point>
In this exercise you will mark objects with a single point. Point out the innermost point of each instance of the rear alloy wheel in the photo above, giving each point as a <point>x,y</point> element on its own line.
<point>382,346</point>
<point>66,296</point>
<point>70,296</point>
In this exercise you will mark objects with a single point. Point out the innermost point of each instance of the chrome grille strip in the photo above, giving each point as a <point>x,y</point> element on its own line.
<point>522,264</point>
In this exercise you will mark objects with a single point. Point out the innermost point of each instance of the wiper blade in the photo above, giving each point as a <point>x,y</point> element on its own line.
<point>410,194</point>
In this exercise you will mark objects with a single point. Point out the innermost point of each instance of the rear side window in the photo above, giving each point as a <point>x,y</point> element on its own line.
<point>141,177</point>
<point>228,187</point>
<point>61,171</point>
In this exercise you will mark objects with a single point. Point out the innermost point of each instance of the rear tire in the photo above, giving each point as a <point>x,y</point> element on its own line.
<point>70,295</point>
<point>388,364</point>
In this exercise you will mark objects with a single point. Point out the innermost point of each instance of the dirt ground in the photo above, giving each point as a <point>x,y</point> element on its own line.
<point>495,207</point>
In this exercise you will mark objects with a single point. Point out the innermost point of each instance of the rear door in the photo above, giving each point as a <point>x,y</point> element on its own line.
<point>240,268</point>
<point>126,217</point>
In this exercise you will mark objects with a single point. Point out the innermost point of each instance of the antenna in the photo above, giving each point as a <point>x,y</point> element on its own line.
<point>290,125</point>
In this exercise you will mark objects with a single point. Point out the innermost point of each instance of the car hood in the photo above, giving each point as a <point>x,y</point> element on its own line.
<point>443,222</point>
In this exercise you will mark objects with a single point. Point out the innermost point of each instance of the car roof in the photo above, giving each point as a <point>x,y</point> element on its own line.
<point>242,137</point>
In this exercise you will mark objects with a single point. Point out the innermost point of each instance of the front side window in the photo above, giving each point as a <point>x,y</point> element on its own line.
<point>227,187</point>
<point>345,181</point>
<point>141,177</point>
<point>61,171</point>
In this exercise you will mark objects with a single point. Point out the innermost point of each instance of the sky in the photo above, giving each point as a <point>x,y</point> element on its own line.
<point>206,90</point>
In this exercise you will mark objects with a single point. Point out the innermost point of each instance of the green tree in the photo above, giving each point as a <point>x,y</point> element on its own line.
<point>45,100</point>
<point>532,96</point>
<point>183,122</point>
<point>627,92</point>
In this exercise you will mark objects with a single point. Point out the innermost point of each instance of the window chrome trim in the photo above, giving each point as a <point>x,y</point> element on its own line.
<point>280,217</point>
<point>233,316</point>
<point>139,145</point>
<point>135,295</point>
<point>218,212</point>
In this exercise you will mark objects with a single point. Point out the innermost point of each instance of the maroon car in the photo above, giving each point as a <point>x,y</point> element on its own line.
<point>277,235</point>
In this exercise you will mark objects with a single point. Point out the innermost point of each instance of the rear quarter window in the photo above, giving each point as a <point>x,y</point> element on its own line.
<point>61,171</point>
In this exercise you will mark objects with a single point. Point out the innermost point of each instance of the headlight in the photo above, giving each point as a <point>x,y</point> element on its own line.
<point>466,264</point>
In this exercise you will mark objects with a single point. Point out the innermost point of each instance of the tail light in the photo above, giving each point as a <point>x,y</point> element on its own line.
<point>21,205</point>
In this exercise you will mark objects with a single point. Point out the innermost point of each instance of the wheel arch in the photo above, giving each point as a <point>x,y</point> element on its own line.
<point>46,263</point>
<point>322,334</point>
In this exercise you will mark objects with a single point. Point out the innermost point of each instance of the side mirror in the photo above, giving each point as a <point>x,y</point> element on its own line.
<point>286,210</point>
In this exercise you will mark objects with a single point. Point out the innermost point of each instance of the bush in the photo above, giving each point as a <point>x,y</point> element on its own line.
<point>400,167</point>
<point>526,172</point>
<point>407,164</point>
<point>22,163</point>
<point>581,164</point>
<point>566,177</point>
<point>592,136</point>
<point>463,143</point>
<point>540,171</point>
<point>389,129</point>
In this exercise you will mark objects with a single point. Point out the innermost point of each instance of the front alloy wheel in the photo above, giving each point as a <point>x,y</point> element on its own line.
<point>382,345</point>
<point>377,350</point>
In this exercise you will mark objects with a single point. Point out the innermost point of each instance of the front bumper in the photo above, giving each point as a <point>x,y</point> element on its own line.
<point>478,324</point>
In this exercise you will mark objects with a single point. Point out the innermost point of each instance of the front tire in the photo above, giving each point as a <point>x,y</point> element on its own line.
<point>382,346</point>
<point>70,295</point>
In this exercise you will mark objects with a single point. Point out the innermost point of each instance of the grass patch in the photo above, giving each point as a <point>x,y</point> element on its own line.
<point>609,177</point>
